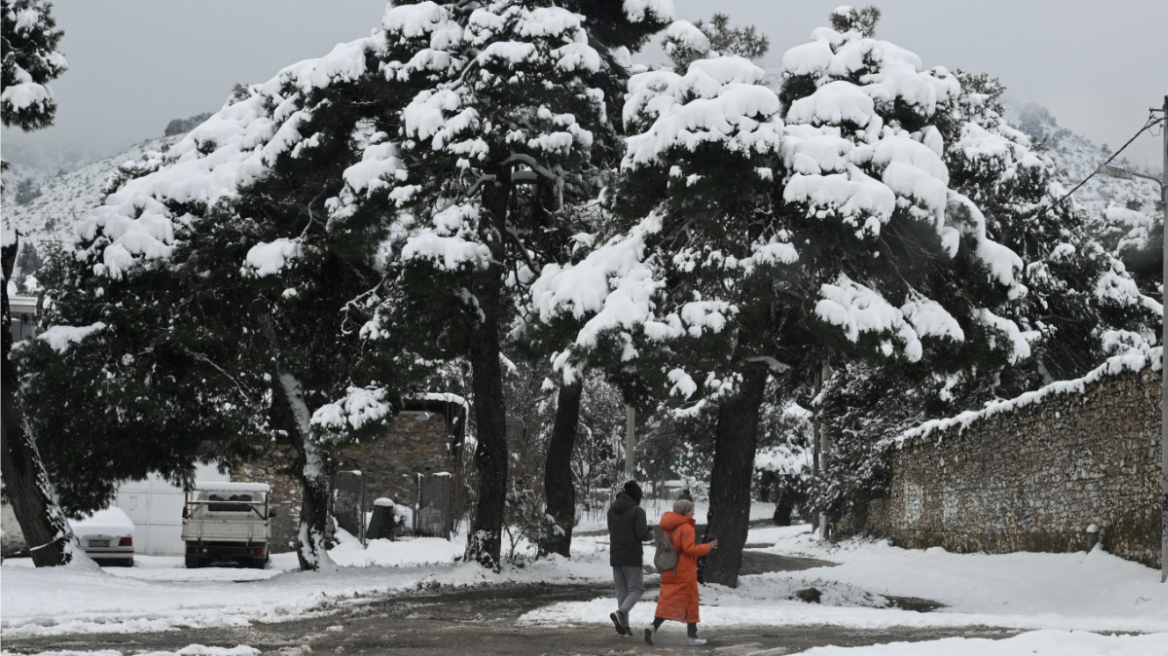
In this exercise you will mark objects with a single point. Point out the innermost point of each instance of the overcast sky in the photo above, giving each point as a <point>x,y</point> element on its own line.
<point>135,64</point>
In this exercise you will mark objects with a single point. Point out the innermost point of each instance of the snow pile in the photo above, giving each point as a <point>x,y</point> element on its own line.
<point>718,101</point>
<point>1066,592</point>
<point>1035,643</point>
<point>657,11</point>
<point>111,521</point>
<point>60,338</point>
<point>359,407</point>
<point>189,650</point>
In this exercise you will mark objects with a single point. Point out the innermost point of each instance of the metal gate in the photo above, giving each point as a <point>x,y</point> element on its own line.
<point>348,502</point>
<point>435,514</point>
<point>429,498</point>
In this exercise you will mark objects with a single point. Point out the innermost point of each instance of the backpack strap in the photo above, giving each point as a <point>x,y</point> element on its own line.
<point>669,536</point>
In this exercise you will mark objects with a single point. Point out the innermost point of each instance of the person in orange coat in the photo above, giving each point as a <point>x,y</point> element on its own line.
<point>679,587</point>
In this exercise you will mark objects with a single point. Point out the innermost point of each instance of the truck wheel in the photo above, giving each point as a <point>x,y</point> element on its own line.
<point>258,563</point>
<point>193,562</point>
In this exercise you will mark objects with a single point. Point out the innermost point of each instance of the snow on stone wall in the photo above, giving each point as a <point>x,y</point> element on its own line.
<point>1036,477</point>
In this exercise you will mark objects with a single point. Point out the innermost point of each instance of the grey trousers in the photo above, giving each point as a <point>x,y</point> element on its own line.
<point>630,585</point>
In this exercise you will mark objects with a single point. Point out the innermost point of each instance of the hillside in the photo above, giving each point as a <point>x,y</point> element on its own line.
<point>64,196</point>
<point>1078,157</point>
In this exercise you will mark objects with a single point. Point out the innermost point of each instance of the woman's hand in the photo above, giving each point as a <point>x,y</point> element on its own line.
<point>714,544</point>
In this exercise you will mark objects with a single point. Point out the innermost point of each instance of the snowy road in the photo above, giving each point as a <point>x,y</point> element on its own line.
<point>557,603</point>
<point>480,620</point>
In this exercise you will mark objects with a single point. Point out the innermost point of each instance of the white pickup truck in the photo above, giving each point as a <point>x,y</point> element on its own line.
<point>227,522</point>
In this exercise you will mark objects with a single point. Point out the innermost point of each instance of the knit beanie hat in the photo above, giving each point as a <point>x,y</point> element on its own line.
<point>682,506</point>
<point>633,490</point>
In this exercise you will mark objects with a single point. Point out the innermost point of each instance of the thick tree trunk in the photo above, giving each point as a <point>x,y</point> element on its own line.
<point>311,469</point>
<point>44,525</point>
<point>557,474</point>
<point>290,414</point>
<point>485,542</point>
<point>735,444</point>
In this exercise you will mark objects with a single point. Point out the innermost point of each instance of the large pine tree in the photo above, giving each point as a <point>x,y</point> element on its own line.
<point>222,295</point>
<point>501,141</point>
<point>331,231</point>
<point>773,234</point>
<point>30,62</point>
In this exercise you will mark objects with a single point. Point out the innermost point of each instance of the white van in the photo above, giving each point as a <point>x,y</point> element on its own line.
<point>227,522</point>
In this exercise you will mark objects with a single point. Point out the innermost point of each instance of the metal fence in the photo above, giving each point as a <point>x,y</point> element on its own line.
<point>423,504</point>
<point>348,502</point>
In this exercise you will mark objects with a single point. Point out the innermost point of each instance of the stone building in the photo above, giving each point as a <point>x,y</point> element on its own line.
<point>425,438</point>
<point>1054,470</point>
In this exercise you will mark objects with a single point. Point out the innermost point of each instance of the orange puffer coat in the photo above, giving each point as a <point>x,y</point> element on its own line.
<point>679,586</point>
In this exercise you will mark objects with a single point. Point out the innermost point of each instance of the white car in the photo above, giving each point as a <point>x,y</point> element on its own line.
<point>107,536</point>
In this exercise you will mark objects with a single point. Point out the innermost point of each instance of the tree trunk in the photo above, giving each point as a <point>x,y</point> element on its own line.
<point>290,414</point>
<point>311,470</point>
<point>45,528</point>
<point>734,449</point>
<point>557,474</point>
<point>485,542</point>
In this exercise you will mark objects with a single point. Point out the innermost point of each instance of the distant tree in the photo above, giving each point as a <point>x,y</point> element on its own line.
<point>30,61</point>
<point>28,260</point>
<point>685,43</point>
<point>184,125</point>
<point>26,190</point>
<point>863,20</point>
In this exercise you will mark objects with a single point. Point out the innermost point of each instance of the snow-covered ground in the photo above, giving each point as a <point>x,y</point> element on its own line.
<point>1051,594</point>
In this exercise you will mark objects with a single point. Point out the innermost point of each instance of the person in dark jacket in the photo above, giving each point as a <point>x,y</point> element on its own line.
<point>627,531</point>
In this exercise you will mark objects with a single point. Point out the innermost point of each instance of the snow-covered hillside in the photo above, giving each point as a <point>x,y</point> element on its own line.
<point>1078,157</point>
<point>65,196</point>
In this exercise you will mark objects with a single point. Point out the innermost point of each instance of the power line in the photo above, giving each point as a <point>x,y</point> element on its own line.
<point>1152,122</point>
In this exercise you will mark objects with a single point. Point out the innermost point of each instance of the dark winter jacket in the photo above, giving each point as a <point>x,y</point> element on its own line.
<point>627,530</point>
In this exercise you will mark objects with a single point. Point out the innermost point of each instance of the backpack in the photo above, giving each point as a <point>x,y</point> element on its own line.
<point>666,556</point>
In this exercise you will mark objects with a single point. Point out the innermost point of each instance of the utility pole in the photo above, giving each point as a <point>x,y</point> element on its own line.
<point>1164,364</point>
<point>630,441</point>
<point>1123,174</point>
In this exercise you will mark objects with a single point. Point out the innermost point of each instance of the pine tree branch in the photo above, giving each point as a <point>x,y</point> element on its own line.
<point>202,358</point>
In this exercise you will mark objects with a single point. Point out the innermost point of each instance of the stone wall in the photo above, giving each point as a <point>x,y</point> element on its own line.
<point>418,441</point>
<point>1037,475</point>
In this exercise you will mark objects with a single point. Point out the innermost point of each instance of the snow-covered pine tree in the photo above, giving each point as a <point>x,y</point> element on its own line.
<point>1134,234</point>
<point>496,146</point>
<point>1081,299</point>
<point>224,292</point>
<point>1081,303</point>
<point>686,42</point>
<point>30,62</point>
<point>619,27</point>
<point>834,235</point>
